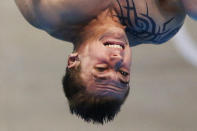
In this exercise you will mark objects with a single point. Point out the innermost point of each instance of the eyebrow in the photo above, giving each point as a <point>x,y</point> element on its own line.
<point>121,79</point>
<point>125,82</point>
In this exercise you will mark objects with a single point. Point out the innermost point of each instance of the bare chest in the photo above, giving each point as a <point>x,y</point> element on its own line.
<point>149,21</point>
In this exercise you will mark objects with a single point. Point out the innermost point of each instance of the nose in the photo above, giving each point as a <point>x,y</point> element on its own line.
<point>116,60</point>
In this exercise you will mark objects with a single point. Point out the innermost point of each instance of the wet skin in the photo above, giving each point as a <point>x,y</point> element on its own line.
<point>105,64</point>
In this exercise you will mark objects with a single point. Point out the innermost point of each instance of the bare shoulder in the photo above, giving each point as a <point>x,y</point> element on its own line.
<point>173,6</point>
<point>150,21</point>
<point>56,16</point>
<point>26,8</point>
<point>190,7</point>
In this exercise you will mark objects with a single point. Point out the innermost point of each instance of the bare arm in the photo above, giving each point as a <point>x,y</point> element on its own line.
<point>26,8</point>
<point>190,7</point>
<point>52,14</point>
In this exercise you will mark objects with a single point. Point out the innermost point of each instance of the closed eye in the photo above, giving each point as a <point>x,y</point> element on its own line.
<point>101,67</point>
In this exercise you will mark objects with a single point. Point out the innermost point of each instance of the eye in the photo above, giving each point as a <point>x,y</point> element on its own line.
<point>101,68</point>
<point>123,73</point>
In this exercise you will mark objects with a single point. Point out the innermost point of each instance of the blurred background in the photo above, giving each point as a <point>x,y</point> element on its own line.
<point>163,89</point>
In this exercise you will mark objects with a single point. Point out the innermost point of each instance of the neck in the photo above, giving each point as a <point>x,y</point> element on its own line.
<point>96,26</point>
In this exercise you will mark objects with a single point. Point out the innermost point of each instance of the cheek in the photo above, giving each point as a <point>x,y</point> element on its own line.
<point>128,56</point>
<point>96,49</point>
<point>99,53</point>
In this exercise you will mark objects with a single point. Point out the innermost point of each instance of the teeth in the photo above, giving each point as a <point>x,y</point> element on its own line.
<point>115,46</point>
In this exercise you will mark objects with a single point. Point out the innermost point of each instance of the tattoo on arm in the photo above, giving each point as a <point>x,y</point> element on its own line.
<point>144,29</point>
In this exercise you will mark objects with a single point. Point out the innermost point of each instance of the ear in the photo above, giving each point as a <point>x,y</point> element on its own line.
<point>73,60</point>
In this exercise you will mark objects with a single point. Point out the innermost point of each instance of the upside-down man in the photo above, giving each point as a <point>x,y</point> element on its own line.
<point>102,32</point>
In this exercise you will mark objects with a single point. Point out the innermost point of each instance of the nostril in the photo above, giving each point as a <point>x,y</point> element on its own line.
<point>116,56</point>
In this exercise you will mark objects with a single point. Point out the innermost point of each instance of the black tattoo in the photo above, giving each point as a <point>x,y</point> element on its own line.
<point>144,28</point>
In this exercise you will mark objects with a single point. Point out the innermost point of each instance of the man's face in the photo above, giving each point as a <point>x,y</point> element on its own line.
<point>105,60</point>
<point>105,64</point>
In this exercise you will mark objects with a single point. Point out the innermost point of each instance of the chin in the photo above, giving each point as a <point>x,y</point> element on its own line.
<point>98,108</point>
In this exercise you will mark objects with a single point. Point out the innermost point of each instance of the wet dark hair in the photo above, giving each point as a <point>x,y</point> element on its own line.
<point>72,83</point>
<point>90,107</point>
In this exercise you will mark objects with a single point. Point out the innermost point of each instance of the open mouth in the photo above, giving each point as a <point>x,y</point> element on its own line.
<point>114,44</point>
